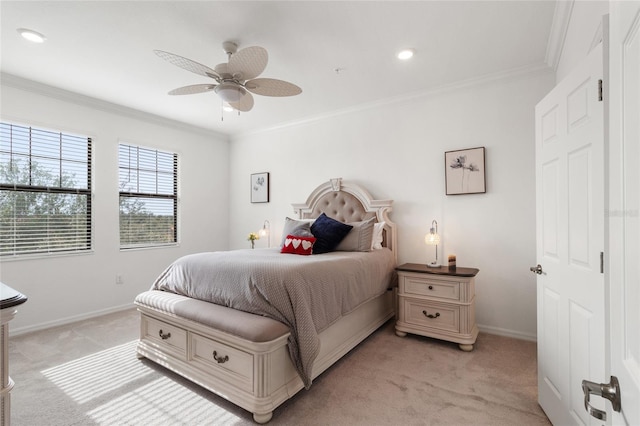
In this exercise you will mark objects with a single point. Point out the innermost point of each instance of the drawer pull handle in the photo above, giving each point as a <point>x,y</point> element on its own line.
<point>430,287</point>
<point>431,315</point>
<point>164,336</point>
<point>220,359</point>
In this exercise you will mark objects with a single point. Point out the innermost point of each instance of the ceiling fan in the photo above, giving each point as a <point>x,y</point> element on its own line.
<point>235,80</point>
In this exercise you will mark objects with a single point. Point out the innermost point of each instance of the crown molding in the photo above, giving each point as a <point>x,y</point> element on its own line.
<point>61,94</point>
<point>16,82</point>
<point>506,75</point>
<point>558,34</point>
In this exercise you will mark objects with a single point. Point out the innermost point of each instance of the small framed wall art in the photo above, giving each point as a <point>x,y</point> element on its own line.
<point>260,187</point>
<point>465,171</point>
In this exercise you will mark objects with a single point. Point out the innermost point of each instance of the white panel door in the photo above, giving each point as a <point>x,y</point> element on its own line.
<point>570,240</point>
<point>624,208</point>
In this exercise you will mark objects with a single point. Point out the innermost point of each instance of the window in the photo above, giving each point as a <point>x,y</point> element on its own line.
<point>45,191</point>
<point>148,181</point>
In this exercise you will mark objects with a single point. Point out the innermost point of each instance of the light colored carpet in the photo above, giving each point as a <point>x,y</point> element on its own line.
<point>87,374</point>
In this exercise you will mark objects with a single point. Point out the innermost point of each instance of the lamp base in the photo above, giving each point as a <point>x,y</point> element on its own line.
<point>433,265</point>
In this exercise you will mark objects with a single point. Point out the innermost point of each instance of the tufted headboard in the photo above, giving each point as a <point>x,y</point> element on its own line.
<point>349,202</point>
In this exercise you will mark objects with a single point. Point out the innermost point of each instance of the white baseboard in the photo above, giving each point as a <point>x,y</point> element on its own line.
<point>68,320</point>
<point>508,333</point>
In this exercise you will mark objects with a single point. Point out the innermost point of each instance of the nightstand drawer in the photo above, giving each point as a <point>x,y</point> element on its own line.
<point>419,285</point>
<point>441,316</point>
<point>161,334</point>
<point>224,361</point>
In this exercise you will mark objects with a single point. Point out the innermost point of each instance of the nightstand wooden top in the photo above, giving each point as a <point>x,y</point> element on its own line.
<point>442,270</point>
<point>10,297</point>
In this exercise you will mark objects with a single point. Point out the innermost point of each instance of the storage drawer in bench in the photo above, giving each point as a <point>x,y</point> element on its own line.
<point>225,362</point>
<point>163,335</point>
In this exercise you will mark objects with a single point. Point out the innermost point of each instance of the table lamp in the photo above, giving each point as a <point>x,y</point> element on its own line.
<point>264,232</point>
<point>433,239</point>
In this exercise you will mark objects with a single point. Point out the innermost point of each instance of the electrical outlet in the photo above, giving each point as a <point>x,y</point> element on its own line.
<point>119,279</point>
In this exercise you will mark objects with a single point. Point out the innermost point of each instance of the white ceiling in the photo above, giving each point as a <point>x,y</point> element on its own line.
<point>104,50</point>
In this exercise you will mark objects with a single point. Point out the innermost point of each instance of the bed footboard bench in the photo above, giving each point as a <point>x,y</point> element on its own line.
<point>240,356</point>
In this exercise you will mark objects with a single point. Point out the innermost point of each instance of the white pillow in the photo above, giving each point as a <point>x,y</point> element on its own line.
<point>376,240</point>
<point>360,238</point>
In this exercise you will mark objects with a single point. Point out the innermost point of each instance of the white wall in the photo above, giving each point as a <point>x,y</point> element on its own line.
<point>72,287</point>
<point>583,28</point>
<point>397,152</point>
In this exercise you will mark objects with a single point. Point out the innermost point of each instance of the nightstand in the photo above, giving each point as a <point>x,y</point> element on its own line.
<point>437,302</point>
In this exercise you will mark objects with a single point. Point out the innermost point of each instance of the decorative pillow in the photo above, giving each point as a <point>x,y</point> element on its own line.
<point>298,245</point>
<point>376,240</point>
<point>328,232</point>
<point>359,238</point>
<point>298,228</point>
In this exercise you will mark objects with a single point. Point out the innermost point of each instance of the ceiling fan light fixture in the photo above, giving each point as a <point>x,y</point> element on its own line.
<point>230,92</point>
<point>405,54</point>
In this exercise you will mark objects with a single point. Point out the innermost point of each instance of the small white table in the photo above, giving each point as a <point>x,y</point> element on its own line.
<point>10,299</point>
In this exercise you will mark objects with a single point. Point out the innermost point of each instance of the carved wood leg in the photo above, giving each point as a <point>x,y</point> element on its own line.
<point>400,333</point>
<point>466,348</point>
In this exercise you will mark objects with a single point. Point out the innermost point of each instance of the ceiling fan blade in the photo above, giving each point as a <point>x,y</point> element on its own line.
<point>248,63</point>
<point>195,88</point>
<point>187,64</point>
<point>244,104</point>
<point>272,87</point>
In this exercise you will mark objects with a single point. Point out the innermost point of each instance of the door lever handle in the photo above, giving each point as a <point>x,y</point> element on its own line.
<point>610,391</point>
<point>536,269</point>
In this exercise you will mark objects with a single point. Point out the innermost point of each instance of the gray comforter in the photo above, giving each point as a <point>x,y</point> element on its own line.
<point>307,293</point>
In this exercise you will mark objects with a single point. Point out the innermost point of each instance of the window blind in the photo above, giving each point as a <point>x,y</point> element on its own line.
<point>148,181</point>
<point>45,191</point>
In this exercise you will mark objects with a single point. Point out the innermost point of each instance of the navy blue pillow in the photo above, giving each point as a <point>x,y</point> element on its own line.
<point>328,232</point>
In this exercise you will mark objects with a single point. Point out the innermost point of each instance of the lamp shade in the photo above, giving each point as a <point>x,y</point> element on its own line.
<point>432,239</point>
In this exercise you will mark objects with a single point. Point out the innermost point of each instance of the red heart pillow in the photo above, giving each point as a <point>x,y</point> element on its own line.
<point>298,245</point>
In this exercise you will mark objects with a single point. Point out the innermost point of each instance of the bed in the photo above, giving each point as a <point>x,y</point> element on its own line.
<point>258,358</point>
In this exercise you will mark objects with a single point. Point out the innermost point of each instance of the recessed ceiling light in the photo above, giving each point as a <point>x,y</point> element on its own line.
<point>405,54</point>
<point>32,36</point>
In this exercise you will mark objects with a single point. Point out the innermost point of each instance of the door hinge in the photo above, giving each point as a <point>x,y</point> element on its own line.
<point>600,90</point>
<point>602,262</point>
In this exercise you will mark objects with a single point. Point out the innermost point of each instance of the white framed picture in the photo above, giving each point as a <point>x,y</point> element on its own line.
<point>465,171</point>
<point>260,187</point>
